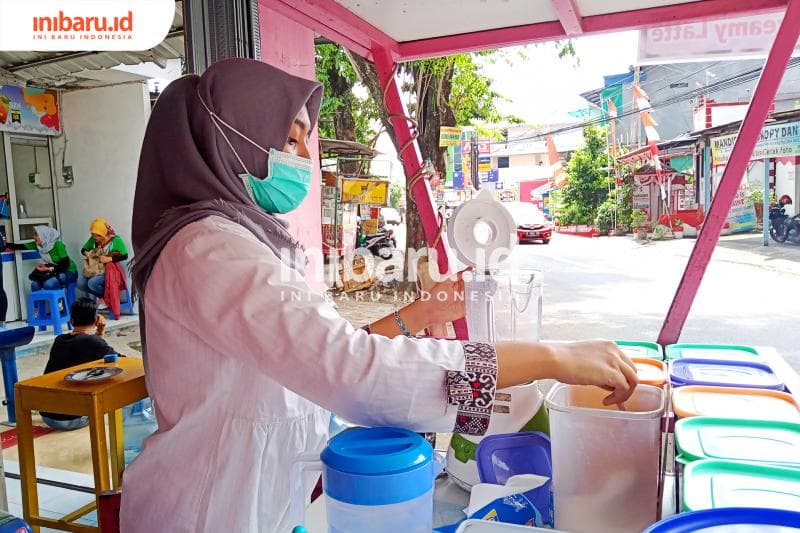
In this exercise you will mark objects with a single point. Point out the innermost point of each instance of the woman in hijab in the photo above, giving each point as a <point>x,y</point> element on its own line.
<point>56,270</point>
<point>113,250</point>
<point>244,361</point>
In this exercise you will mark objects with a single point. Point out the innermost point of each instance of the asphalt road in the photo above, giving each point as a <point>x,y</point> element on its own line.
<point>616,288</point>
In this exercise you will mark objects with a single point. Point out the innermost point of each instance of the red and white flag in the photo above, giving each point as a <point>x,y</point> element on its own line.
<point>554,160</point>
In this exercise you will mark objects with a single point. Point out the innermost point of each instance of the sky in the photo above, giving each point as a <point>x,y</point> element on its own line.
<point>542,87</point>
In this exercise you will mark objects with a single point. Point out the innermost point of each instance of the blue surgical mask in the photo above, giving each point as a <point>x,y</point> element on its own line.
<point>288,176</point>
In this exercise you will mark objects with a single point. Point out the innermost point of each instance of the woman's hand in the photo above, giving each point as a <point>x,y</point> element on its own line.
<point>42,268</point>
<point>596,362</point>
<point>100,324</point>
<point>445,301</point>
<point>106,259</point>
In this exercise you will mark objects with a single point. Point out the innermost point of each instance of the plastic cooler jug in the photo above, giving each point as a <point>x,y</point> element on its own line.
<point>605,460</point>
<point>734,402</point>
<point>756,441</point>
<point>713,484</point>
<point>723,373</point>
<point>375,480</point>
<point>730,520</point>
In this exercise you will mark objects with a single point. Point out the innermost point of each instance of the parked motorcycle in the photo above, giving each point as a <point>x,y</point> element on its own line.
<point>381,244</point>
<point>782,227</point>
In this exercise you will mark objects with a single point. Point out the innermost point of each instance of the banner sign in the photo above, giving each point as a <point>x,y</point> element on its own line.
<point>29,110</point>
<point>484,164</point>
<point>730,38</point>
<point>494,175</point>
<point>449,136</point>
<point>372,192</point>
<point>484,147</point>
<point>458,180</point>
<point>779,140</point>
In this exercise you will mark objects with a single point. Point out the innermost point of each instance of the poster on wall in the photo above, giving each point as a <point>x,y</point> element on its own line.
<point>641,198</point>
<point>742,216</point>
<point>29,110</point>
<point>779,140</point>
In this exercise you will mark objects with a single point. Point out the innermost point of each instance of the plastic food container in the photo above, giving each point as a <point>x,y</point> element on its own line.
<point>711,351</point>
<point>723,374</point>
<point>500,457</point>
<point>485,526</point>
<point>650,371</point>
<point>734,402</point>
<point>756,441</point>
<point>713,484</point>
<point>605,461</point>
<point>736,519</point>
<point>648,350</point>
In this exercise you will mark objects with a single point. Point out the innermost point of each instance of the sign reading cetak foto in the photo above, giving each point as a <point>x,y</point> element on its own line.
<point>77,25</point>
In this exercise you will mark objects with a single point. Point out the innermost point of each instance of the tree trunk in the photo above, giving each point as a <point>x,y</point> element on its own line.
<point>344,122</point>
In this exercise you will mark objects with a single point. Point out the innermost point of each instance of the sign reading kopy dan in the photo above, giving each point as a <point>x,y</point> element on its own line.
<point>723,38</point>
<point>778,140</point>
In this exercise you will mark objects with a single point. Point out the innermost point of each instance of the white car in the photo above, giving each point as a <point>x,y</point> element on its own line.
<point>391,215</point>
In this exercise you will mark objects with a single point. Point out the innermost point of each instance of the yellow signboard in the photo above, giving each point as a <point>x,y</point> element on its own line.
<point>360,191</point>
<point>449,136</point>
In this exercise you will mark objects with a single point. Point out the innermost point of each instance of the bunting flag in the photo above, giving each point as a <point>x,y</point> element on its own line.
<point>554,160</point>
<point>644,107</point>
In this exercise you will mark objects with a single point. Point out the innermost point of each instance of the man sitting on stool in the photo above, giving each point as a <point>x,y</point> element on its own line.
<point>75,348</point>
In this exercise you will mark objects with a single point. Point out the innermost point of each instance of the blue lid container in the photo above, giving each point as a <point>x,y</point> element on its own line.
<point>745,520</point>
<point>719,373</point>
<point>377,466</point>
<point>500,457</point>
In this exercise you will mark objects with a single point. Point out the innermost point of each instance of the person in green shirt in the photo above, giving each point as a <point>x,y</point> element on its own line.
<point>56,270</point>
<point>103,236</point>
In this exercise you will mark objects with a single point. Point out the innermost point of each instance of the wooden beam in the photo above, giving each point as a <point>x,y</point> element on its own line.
<point>749,131</point>
<point>569,16</point>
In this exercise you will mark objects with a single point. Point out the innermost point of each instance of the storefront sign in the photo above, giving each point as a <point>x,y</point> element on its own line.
<point>724,38</point>
<point>458,180</point>
<point>778,140</point>
<point>485,165</point>
<point>29,110</point>
<point>449,136</point>
<point>742,216</point>
<point>507,195</point>
<point>494,175</point>
<point>372,192</point>
<point>484,147</point>
<point>641,198</point>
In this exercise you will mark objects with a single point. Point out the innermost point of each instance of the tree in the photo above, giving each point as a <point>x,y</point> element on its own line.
<point>588,180</point>
<point>396,194</point>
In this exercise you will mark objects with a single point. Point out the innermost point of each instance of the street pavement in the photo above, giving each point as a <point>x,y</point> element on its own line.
<point>616,288</point>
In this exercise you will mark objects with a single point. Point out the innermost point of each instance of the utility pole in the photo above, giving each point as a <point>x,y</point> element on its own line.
<point>635,116</point>
<point>476,183</point>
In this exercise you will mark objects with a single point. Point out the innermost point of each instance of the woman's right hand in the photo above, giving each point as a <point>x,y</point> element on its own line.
<point>596,362</point>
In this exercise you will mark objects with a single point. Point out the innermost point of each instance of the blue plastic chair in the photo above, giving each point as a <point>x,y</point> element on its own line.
<point>44,310</point>
<point>10,339</point>
<point>126,306</point>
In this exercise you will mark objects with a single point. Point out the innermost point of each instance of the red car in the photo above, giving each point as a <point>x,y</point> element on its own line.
<point>531,223</point>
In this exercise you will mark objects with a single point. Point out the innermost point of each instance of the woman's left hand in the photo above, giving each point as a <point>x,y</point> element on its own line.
<point>106,258</point>
<point>445,301</point>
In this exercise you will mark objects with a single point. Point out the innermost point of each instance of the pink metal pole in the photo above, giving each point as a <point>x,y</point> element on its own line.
<point>412,163</point>
<point>749,131</point>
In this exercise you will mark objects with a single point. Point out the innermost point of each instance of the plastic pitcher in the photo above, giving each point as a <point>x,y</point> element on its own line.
<point>605,460</point>
<point>518,305</point>
<point>375,480</point>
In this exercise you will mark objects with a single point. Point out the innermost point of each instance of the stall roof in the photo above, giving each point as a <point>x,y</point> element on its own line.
<point>644,153</point>
<point>415,29</point>
<point>346,148</point>
<point>89,69</point>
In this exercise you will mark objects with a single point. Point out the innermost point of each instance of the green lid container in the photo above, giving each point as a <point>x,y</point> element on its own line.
<point>758,441</point>
<point>713,484</point>
<point>710,351</point>
<point>648,350</point>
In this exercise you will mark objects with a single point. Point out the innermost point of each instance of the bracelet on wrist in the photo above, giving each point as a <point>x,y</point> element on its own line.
<point>401,324</point>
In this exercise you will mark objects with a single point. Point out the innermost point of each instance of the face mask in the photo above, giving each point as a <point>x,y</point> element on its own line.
<point>288,176</point>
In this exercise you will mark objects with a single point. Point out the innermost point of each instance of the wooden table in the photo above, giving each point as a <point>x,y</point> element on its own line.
<point>50,393</point>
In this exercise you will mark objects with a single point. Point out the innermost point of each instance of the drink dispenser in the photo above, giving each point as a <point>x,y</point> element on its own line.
<point>502,305</point>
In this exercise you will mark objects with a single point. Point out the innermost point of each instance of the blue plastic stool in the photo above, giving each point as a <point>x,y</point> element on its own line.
<point>10,339</point>
<point>70,290</point>
<point>46,305</point>
<point>127,305</point>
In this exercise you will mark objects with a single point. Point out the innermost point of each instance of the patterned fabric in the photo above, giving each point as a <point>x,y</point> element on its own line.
<point>473,390</point>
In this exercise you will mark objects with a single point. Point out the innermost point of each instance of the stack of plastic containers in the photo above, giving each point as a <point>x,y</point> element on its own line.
<point>737,437</point>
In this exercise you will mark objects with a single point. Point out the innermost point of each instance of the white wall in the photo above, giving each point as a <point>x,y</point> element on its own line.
<point>786,183</point>
<point>104,129</point>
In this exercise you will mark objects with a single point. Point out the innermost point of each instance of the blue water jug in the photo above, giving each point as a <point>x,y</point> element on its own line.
<point>138,422</point>
<point>376,480</point>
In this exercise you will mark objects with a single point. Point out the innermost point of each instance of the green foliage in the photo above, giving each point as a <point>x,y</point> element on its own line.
<point>471,95</point>
<point>756,196</point>
<point>587,179</point>
<point>638,218</point>
<point>604,221</point>
<point>396,194</point>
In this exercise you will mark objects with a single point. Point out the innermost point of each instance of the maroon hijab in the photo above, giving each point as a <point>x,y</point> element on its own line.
<point>187,171</point>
